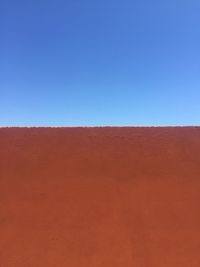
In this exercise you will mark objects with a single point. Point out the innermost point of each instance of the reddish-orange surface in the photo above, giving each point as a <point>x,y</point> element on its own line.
<point>100,197</point>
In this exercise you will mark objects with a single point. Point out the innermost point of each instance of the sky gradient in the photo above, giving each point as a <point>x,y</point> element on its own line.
<point>108,62</point>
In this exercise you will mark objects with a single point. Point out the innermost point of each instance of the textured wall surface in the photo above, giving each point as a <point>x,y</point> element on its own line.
<point>100,197</point>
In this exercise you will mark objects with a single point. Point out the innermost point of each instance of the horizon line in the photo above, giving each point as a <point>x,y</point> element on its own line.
<point>106,126</point>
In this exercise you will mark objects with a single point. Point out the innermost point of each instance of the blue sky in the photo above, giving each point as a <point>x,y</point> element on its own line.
<point>108,62</point>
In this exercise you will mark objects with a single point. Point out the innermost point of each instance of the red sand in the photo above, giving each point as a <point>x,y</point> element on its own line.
<point>100,197</point>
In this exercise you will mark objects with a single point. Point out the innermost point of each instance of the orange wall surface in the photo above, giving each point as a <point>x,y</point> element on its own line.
<point>100,197</point>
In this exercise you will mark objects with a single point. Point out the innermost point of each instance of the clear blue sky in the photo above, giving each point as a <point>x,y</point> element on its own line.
<point>108,62</point>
